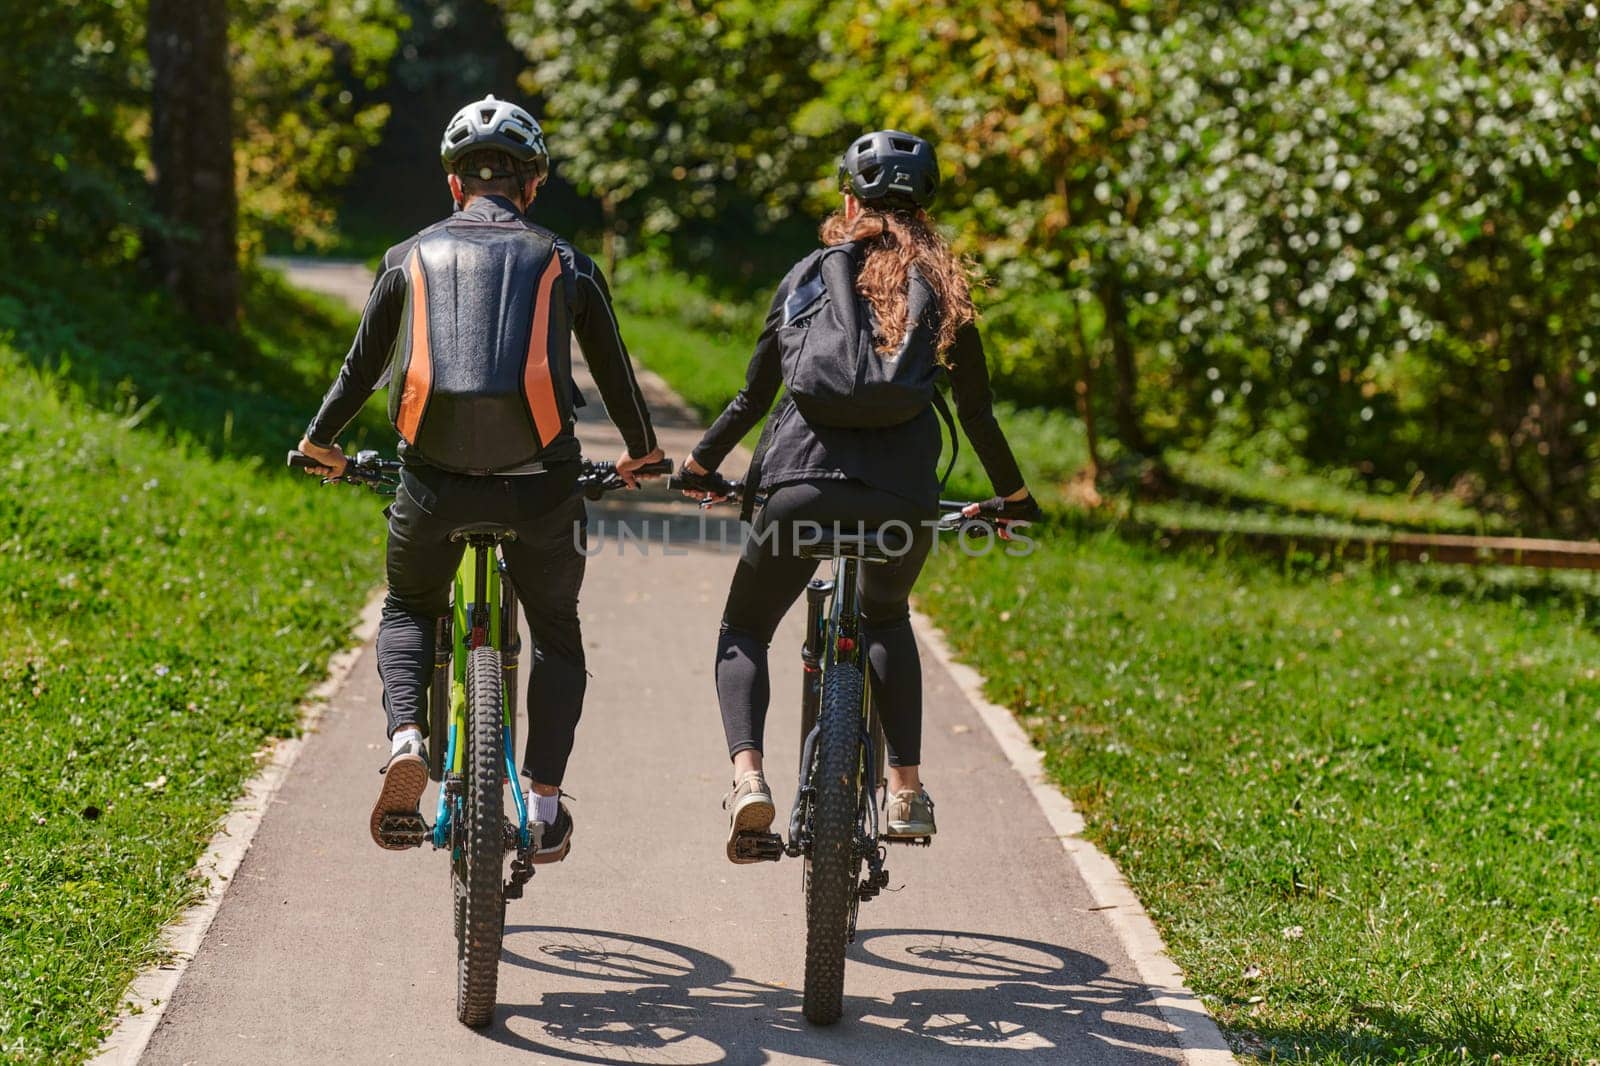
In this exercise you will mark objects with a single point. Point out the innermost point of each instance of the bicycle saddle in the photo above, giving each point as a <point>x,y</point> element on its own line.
<point>873,546</point>
<point>492,530</point>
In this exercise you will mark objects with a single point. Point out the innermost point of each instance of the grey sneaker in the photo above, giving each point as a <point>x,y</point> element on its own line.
<point>909,814</point>
<point>750,810</point>
<point>404,779</point>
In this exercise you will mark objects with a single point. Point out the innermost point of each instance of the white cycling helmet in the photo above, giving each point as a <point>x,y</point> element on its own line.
<point>501,126</point>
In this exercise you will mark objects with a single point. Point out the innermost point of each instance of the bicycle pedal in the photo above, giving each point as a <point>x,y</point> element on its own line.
<point>911,842</point>
<point>403,830</point>
<point>758,847</point>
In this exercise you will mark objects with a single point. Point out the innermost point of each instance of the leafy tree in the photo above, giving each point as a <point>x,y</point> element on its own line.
<point>1020,97</point>
<point>1374,232</point>
<point>450,52</point>
<point>669,111</point>
<point>68,168</point>
<point>76,90</point>
<point>300,129</point>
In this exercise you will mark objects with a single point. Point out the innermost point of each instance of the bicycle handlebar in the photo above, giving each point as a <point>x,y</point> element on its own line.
<point>381,475</point>
<point>366,468</point>
<point>599,478</point>
<point>952,513</point>
<point>713,482</point>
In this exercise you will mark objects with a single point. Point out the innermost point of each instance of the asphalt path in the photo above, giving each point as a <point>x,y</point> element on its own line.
<point>647,945</point>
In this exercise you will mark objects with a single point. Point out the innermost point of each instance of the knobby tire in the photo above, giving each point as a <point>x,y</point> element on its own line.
<point>834,866</point>
<point>481,886</point>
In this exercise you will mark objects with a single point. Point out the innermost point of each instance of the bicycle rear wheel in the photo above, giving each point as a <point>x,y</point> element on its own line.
<point>834,866</point>
<point>480,888</point>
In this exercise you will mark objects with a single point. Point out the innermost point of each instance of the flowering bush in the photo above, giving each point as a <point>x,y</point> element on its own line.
<point>1373,228</point>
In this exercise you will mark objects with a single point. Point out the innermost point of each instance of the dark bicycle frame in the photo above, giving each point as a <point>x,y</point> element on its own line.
<point>832,638</point>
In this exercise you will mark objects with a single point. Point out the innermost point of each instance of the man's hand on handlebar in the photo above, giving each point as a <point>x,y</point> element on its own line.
<point>333,459</point>
<point>627,467</point>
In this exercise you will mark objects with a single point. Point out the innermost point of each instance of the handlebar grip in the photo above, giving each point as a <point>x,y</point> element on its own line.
<point>660,466</point>
<point>299,460</point>
<point>713,483</point>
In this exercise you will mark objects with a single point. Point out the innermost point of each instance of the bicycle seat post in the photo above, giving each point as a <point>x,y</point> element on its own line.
<point>847,614</point>
<point>481,539</point>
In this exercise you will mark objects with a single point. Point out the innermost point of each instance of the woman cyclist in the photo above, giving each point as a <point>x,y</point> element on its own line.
<point>914,293</point>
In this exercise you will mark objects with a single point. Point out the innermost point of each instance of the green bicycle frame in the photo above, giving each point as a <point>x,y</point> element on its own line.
<point>476,619</point>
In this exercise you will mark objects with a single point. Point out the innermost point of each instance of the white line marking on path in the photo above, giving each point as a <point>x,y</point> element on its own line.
<point>147,997</point>
<point>1199,1040</point>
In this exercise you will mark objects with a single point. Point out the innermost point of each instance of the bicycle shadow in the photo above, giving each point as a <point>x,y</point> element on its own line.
<point>628,999</point>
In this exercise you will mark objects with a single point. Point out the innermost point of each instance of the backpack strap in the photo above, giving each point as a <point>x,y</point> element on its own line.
<point>955,440</point>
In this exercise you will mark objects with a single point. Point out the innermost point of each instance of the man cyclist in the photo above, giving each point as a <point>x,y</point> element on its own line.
<point>469,320</point>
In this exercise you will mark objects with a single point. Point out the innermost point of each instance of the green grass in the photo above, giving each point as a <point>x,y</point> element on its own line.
<point>1359,803</point>
<point>698,342</point>
<point>1377,793</point>
<point>1271,491</point>
<point>170,592</point>
<point>359,236</point>
<point>1211,519</point>
<point>126,351</point>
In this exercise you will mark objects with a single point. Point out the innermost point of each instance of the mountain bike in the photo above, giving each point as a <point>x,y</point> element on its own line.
<point>471,727</point>
<point>833,824</point>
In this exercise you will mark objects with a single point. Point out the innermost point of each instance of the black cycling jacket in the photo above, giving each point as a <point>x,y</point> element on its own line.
<point>593,322</point>
<point>900,459</point>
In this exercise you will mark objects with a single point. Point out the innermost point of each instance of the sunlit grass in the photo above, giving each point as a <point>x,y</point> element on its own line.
<point>1275,491</point>
<point>1359,806</point>
<point>168,592</point>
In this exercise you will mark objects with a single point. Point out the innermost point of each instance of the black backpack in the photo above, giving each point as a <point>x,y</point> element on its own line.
<point>832,371</point>
<point>481,372</point>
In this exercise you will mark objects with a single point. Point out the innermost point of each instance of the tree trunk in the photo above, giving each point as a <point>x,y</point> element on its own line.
<point>1129,430</point>
<point>608,243</point>
<point>191,145</point>
<point>1083,389</point>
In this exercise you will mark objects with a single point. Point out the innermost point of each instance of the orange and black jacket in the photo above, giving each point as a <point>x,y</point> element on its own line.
<point>480,307</point>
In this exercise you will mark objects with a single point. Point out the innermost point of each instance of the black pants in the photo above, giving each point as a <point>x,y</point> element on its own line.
<point>771,576</point>
<point>546,563</point>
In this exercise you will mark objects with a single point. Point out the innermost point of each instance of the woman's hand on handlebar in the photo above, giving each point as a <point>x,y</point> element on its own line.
<point>1020,506</point>
<point>333,459</point>
<point>628,467</point>
<point>692,467</point>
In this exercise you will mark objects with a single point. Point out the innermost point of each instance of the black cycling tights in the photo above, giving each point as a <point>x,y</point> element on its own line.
<point>771,577</point>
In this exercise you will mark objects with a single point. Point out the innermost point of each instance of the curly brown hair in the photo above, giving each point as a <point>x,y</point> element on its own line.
<point>896,239</point>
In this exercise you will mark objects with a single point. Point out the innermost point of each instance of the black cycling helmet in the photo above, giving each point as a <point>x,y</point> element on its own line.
<point>890,166</point>
<point>500,126</point>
